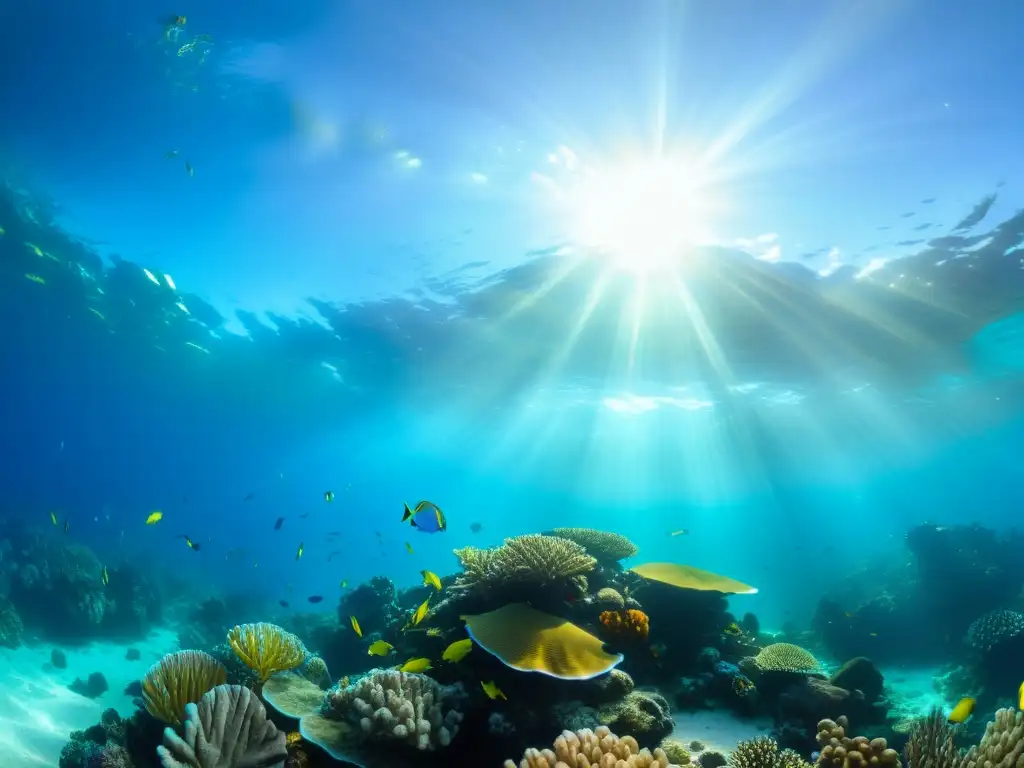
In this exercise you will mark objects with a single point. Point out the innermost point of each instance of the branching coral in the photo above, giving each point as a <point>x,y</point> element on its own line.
<point>837,749</point>
<point>995,628</point>
<point>605,546</point>
<point>763,752</point>
<point>592,749</point>
<point>631,624</point>
<point>178,679</point>
<point>266,648</point>
<point>1002,746</point>
<point>228,728</point>
<point>532,559</point>
<point>931,743</point>
<point>785,657</point>
<point>407,707</point>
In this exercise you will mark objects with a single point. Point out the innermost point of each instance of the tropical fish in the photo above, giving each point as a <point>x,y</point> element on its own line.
<point>436,632</point>
<point>492,691</point>
<point>1020,697</point>
<point>278,524</point>
<point>426,517</point>
<point>380,648</point>
<point>315,598</point>
<point>189,169</point>
<point>962,711</point>
<point>475,527</point>
<point>302,548</point>
<point>430,580</point>
<point>104,576</point>
<point>35,278</point>
<point>458,650</point>
<point>740,685</point>
<point>328,495</point>
<point>283,603</point>
<point>53,518</point>
<point>421,613</point>
<point>409,547</point>
<point>154,517</point>
<point>680,532</point>
<point>355,626</point>
<point>67,526</point>
<point>416,665</point>
<point>733,629</point>
<point>191,544</point>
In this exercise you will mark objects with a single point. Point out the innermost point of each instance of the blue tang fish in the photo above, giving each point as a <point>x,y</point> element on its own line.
<point>426,517</point>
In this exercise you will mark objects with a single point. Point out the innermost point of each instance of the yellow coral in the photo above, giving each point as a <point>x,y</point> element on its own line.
<point>266,648</point>
<point>592,749</point>
<point>601,544</point>
<point>786,657</point>
<point>178,679</point>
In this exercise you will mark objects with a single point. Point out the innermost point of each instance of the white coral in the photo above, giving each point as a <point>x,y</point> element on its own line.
<point>408,707</point>
<point>592,749</point>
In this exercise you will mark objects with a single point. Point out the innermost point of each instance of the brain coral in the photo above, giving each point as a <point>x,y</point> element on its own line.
<point>645,714</point>
<point>785,657</point>
<point>994,628</point>
<point>610,597</point>
<point>600,544</point>
<point>592,749</point>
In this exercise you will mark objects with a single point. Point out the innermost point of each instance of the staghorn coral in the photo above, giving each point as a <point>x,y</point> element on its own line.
<point>179,679</point>
<point>408,707</point>
<point>592,749</point>
<point>266,648</point>
<point>611,598</point>
<point>837,749</point>
<point>785,657</point>
<point>645,714</point>
<point>533,558</point>
<point>631,624</point>
<point>1001,746</point>
<point>994,628</point>
<point>931,742</point>
<point>227,729</point>
<point>603,545</point>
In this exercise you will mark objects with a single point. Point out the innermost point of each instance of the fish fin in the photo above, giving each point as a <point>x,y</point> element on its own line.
<point>408,514</point>
<point>413,523</point>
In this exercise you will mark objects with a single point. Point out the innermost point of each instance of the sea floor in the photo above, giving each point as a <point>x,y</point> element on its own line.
<point>718,730</point>
<point>38,711</point>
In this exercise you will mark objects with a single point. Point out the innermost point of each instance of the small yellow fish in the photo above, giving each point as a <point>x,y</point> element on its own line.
<point>492,691</point>
<point>35,278</point>
<point>435,632</point>
<point>35,249</point>
<point>416,665</point>
<point>302,548</point>
<point>1020,697</point>
<point>355,626</point>
<point>680,532</point>
<point>191,544</point>
<point>458,650</point>
<point>430,580</point>
<point>421,613</point>
<point>380,648</point>
<point>154,517</point>
<point>53,518</point>
<point>409,547</point>
<point>104,576</point>
<point>962,711</point>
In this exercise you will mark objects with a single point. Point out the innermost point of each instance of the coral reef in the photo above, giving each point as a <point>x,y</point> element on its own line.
<point>532,558</point>
<point>266,648</point>
<point>11,627</point>
<point>610,598</point>
<point>675,751</point>
<point>644,714</point>
<point>860,674</point>
<point>604,546</point>
<point>179,679</point>
<point>931,743</point>
<point>628,625</point>
<point>837,749</point>
<point>227,728</point>
<point>786,657</point>
<point>995,628</point>
<point>592,749</point>
<point>393,705</point>
<point>1002,746</point>
<point>315,670</point>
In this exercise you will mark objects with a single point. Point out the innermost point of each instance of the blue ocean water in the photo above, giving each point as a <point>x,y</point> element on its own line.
<point>753,274</point>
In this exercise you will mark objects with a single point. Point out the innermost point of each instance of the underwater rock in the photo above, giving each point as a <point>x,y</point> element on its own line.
<point>499,725</point>
<point>812,699</point>
<point>573,715</point>
<point>644,714</point>
<point>58,658</point>
<point>860,674</point>
<point>95,686</point>
<point>712,758</point>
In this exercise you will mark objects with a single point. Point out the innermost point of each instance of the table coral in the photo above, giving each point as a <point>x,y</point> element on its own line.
<point>838,749</point>
<point>592,749</point>
<point>786,657</point>
<point>408,707</point>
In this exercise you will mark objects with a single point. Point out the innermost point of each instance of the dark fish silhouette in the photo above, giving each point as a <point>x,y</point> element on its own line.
<point>315,598</point>
<point>278,524</point>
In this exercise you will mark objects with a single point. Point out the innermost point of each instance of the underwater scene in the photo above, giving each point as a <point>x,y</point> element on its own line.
<point>529,385</point>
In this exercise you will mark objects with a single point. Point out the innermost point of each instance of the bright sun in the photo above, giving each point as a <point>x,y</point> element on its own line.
<point>642,213</point>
